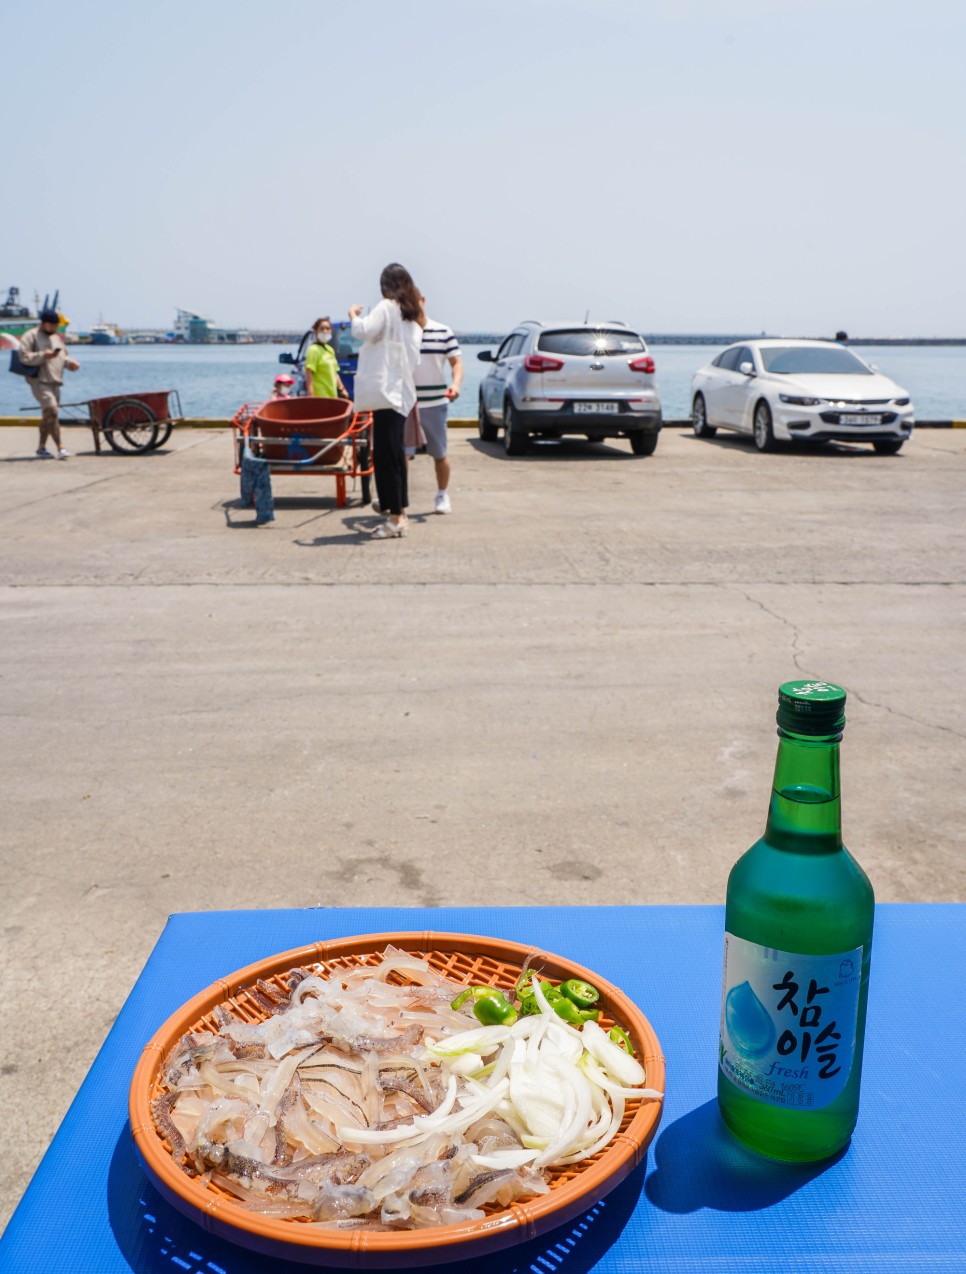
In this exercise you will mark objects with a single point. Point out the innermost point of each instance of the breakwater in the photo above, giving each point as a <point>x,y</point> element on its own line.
<point>279,336</point>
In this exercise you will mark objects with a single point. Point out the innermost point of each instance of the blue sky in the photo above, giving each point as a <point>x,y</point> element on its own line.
<point>792,166</point>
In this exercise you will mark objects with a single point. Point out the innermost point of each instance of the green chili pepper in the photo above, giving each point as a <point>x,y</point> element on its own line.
<point>494,1009</point>
<point>568,1011</point>
<point>581,993</point>
<point>524,986</point>
<point>620,1037</point>
<point>564,1008</point>
<point>476,993</point>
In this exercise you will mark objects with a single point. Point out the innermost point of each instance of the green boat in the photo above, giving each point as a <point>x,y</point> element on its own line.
<point>17,318</point>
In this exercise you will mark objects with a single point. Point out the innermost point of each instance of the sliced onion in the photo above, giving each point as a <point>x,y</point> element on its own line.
<point>485,1040</point>
<point>538,1100</point>
<point>425,1125</point>
<point>625,1069</point>
<point>603,1080</point>
<point>601,1141</point>
<point>579,1107</point>
<point>466,1064</point>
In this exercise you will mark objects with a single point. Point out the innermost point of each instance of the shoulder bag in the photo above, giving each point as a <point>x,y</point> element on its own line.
<point>20,368</point>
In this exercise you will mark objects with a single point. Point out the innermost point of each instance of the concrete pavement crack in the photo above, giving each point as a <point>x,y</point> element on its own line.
<point>797,652</point>
<point>907,716</point>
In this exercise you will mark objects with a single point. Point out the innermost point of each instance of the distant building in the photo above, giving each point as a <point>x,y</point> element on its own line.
<point>191,327</point>
<point>195,329</point>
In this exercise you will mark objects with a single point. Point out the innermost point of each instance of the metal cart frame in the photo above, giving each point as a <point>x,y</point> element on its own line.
<point>130,422</point>
<point>293,448</point>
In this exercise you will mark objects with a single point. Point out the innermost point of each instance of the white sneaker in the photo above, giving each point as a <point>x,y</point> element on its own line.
<point>63,453</point>
<point>442,502</point>
<point>43,454</point>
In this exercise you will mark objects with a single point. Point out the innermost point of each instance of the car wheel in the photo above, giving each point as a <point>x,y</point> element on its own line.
<point>515,442</point>
<point>486,426</point>
<point>764,434</point>
<point>889,446</point>
<point>643,444</point>
<point>699,419</point>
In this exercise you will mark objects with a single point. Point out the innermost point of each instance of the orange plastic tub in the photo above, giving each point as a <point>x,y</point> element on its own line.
<point>466,959</point>
<point>313,419</point>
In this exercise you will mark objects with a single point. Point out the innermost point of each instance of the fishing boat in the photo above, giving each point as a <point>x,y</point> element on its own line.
<point>15,318</point>
<point>104,334</point>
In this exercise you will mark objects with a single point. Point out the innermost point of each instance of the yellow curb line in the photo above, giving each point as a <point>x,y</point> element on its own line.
<point>460,422</point>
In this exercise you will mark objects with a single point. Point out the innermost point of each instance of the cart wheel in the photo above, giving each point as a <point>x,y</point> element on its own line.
<point>164,433</point>
<point>129,425</point>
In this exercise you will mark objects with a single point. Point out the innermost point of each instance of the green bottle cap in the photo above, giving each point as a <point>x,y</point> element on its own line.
<point>811,707</point>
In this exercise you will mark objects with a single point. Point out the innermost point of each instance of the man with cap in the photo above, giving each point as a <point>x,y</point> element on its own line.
<point>45,349</point>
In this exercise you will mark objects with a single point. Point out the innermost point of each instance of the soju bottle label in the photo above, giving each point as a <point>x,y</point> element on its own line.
<point>788,1022</point>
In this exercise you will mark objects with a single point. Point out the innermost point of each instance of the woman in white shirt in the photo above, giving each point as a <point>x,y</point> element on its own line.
<point>391,337</point>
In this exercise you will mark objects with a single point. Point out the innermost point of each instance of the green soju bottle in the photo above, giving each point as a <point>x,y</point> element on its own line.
<point>798,938</point>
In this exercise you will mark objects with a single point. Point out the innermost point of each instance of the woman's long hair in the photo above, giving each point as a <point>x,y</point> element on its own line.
<point>396,284</point>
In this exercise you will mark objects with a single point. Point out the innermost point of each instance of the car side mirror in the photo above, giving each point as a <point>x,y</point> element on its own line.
<point>288,359</point>
<point>747,369</point>
<point>486,356</point>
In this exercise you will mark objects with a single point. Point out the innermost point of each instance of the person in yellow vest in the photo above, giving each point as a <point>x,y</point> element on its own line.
<point>322,379</point>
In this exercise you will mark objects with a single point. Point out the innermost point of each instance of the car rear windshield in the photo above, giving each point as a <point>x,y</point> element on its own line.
<point>346,345</point>
<point>804,360</point>
<point>602,342</point>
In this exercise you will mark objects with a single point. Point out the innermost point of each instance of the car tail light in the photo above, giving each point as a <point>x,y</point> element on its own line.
<point>539,363</point>
<point>645,365</point>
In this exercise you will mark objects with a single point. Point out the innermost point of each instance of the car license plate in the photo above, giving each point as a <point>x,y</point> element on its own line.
<point>610,409</point>
<point>860,420</point>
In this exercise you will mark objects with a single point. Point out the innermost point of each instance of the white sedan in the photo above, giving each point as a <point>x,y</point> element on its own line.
<point>814,391</point>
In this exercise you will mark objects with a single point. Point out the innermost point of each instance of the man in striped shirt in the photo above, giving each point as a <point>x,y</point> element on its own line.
<point>433,395</point>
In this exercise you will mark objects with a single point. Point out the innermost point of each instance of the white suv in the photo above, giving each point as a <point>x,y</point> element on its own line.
<point>554,379</point>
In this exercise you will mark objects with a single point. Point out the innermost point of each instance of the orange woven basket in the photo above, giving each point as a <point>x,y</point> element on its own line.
<point>465,959</point>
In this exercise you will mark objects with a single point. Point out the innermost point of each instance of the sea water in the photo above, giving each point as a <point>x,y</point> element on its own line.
<point>215,380</point>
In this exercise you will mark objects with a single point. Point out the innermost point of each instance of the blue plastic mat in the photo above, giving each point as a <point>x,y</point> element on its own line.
<point>894,1200</point>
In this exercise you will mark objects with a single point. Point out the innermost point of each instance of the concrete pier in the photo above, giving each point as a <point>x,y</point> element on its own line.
<point>563,690</point>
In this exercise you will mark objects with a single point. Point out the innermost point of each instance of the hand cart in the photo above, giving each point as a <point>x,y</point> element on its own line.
<point>312,436</point>
<point>130,422</point>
